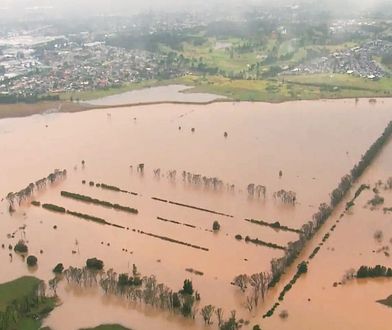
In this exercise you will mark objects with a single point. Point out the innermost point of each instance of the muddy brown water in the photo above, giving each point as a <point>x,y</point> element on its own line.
<point>352,244</point>
<point>155,94</point>
<point>314,143</point>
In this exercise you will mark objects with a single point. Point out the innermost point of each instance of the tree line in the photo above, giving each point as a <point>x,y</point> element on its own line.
<point>18,197</point>
<point>146,290</point>
<point>308,230</point>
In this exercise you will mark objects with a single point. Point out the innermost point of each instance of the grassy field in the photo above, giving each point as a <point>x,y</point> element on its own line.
<point>18,292</point>
<point>222,58</point>
<point>307,87</point>
<point>108,327</point>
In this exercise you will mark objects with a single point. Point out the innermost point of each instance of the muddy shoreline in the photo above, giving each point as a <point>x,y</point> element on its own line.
<point>20,110</point>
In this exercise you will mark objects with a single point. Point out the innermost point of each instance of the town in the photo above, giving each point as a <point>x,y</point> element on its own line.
<point>59,60</point>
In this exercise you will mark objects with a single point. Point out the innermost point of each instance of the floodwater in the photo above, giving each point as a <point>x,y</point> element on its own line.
<point>314,302</point>
<point>172,93</point>
<point>314,143</point>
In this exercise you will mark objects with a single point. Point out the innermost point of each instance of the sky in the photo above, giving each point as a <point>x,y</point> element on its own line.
<point>130,7</point>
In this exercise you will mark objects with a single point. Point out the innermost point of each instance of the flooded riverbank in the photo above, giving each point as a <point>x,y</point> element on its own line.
<point>170,93</point>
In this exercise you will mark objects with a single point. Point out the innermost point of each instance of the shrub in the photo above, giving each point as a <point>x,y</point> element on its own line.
<point>238,237</point>
<point>94,264</point>
<point>21,247</point>
<point>283,314</point>
<point>54,208</point>
<point>378,235</point>
<point>186,309</point>
<point>302,268</point>
<point>176,301</point>
<point>187,288</point>
<point>215,226</point>
<point>376,200</point>
<point>31,261</point>
<point>58,269</point>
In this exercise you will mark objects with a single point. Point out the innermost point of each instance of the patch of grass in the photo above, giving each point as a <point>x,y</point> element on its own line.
<point>289,88</point>
<point>386,302</point>
<point>107,327</point>
<point>23,292</point>
<point>17,290</point>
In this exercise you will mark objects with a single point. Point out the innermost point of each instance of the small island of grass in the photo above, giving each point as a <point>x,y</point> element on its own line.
<point>386,302</point>
<point>108,327</point>
<point>24,299</point>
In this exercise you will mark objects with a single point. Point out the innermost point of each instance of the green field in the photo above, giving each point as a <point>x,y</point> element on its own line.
<point>289,88</point>
<point>22,292</point>
<point>279,89</point>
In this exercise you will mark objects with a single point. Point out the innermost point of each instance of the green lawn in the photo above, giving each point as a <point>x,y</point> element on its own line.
<point>20,291</point>
<point>17,290</point>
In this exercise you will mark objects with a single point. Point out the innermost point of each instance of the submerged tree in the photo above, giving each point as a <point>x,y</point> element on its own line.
<point>241,281</point>
<point>287,197</point>
<point>207,312</point>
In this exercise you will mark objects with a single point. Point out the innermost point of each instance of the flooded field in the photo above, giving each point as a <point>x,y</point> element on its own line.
<point>173,93</point>
<point>267,145</point>
<point>324,293</point>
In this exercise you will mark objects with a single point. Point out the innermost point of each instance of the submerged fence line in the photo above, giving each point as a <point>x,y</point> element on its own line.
<point>192,207</point>
<point>62,210</point>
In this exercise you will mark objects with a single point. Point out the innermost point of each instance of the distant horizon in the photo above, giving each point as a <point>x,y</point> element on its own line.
<point>70,8</point>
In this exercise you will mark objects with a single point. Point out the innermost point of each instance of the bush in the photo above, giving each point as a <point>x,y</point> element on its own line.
<point>283,314</point>
<point>21,247</point>
<point>58,269</point>
<point>54,208</point>
<point>376,200</point>
<point>176,301</point>
<point>186,309</point>
<point>187,288</point>
<point>238,237</point>
<point>302,268</point>
<point>94,264</point>
<point>215,226</point>
<point>31,261</point>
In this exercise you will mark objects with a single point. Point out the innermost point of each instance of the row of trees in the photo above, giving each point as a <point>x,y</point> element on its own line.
<point>146,289</point>
<point>256,190</point>
<point>255,286</point>
<point>287,197</point>
<point>377,271</point>
<point>18,197</point>
<point>308,230</point>
<point>136,288</point>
